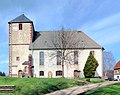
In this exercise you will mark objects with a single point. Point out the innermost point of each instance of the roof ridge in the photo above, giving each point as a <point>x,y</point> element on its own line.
<point>117,65</point>
<point>57,30</point>
<point>21,18</point>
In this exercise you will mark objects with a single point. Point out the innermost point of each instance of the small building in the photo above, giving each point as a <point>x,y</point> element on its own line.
<point>117,70</point>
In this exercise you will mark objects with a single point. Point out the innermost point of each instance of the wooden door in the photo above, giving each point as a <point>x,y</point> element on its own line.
<point>76,73</point>
<point>49,74</point>
<point>20,73</point>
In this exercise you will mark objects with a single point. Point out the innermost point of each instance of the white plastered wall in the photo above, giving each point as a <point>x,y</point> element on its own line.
<point>50,63</point>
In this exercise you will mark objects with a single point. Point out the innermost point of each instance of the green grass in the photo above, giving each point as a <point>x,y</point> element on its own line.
<point>37,86</point>
<point>40,86</point>
<point>93,80</point>
<point>113,89</point>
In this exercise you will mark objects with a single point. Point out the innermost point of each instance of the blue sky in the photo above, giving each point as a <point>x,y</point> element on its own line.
<point>99,19</point>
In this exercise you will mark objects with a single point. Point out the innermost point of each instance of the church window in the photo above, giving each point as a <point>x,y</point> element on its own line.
<point>58,58</point>
<point>75,57</point>
<point>58,73</point>
<point>41,73</point>
<point>41,58</point>
<point>93,53</point>
<point>17,58</point>
<point>20,26</point>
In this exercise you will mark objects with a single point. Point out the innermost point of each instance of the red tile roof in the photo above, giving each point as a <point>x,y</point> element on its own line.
<point>117,66</point>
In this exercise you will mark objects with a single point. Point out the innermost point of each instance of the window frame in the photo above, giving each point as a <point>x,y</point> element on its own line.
<point>93,53</point>
<point>41,73</point>
<point>20,26</point>
<point>17,58</point>
<point>75,57</point>
<point>59,57</point>
<point>41,58</point>
<point>59,73</point>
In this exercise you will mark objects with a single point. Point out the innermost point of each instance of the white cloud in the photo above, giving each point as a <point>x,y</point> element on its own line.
<point>104,23</point>
<point>107,36</point>
<point>105,31</point>
<point>108,21</point>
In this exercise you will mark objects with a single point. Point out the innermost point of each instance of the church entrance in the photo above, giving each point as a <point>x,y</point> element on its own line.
<point>20,73</point>
<point>49,74</point>
<point>76,73</point>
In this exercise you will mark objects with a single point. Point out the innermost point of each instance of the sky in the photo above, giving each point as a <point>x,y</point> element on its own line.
<point>99,19</point>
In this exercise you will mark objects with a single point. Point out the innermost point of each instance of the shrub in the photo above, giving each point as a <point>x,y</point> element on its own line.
<point>88,79</point>
<point>90,66</point>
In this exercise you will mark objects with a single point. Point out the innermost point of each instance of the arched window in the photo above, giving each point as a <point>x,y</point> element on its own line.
<point>20,73</point>
<point>93,53</point>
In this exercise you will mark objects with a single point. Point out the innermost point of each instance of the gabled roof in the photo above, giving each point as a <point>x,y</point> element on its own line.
<point>117,66</point>
<point>44,41</point>
<point>21,18</point>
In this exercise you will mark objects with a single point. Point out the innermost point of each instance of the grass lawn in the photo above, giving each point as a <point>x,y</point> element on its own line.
<point>40,86</point>
<point>37,86</point>
<point>113,89</point>
<point>93,80</point>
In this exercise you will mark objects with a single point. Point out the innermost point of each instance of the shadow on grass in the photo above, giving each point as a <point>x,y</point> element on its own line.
<point>108,90</point>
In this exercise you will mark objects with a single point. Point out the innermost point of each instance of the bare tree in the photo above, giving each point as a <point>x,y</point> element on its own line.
<point>109,62</point>
<point>65,42</point>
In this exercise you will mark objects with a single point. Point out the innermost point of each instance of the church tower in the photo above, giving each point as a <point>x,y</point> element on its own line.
<point>20,36</point>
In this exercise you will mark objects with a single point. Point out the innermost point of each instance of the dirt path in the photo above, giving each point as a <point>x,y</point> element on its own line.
<point>82,89</point>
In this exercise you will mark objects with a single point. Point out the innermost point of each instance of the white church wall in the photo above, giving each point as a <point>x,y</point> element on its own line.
<point>50,63</point>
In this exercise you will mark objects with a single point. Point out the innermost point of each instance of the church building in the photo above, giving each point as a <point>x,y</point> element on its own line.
<point>38,53</point>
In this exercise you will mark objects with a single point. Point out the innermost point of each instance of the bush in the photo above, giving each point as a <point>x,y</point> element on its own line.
<point>2,73</point>
<point>88,79</point>
<point>90,66</point>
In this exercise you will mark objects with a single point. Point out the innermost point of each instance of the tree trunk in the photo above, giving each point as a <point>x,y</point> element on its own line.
<point>63,63</point>
<point>62,67</point>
